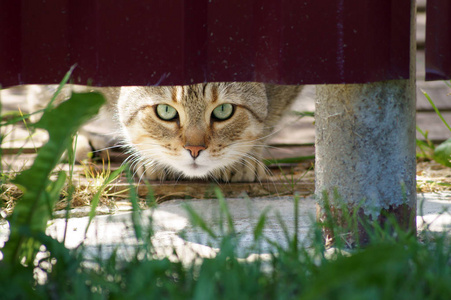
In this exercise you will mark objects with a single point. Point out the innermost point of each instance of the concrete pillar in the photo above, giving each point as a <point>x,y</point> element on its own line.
<point>365,149</point>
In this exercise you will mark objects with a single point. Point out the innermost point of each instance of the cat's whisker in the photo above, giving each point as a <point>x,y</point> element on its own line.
<point>252,163</point>
<point>137,162</point>
<point>178,178</point>
<point>265,169</point>
<point>147,166</point>
<point>250,167</point>
<point>211,176</point>
<point>251,143</point>
<point>107,148</point>
<point>141,177</point>
<point>282,126</point>
<point>134,159</point>
<point>132,165</point>
<point>135,145</point>
<point>244,142</point>
<point>256,160</point>
<point>271,133</point>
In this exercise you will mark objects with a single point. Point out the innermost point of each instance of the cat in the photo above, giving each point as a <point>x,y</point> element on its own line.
<point>201,131</point>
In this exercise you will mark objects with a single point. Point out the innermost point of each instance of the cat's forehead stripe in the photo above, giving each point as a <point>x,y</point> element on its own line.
<point>174,94</point>
<point>181,92</point>
<point>214,94</point>
<point>177,93</point>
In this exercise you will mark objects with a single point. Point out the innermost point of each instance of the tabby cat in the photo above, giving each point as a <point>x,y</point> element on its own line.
<point>210,130</point>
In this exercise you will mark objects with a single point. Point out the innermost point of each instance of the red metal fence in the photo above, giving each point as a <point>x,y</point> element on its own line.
<point>438,39</point>
<point>181,42</point>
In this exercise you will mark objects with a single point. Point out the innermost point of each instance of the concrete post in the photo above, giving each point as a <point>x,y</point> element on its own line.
<point>365,149</point>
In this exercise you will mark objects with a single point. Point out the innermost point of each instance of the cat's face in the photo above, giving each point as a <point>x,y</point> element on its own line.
<point>194,130</point>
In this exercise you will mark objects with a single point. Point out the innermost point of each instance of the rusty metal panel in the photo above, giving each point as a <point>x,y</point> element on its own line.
<point>181,42</point>
<point>438,39</point>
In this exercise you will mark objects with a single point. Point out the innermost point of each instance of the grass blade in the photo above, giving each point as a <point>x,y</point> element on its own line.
<point>197,220</point>
<point>34,209</point>
<point>258,230</point>
<point>96,199</point>
<point>436,109</point>
<point>288,160</point>
<point>224,209</point>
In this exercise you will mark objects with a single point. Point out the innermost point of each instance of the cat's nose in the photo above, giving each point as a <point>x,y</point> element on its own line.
<point>195,150</point>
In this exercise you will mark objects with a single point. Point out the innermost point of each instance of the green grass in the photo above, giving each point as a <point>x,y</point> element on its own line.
<point>393,265</point>
<point>428,150</point>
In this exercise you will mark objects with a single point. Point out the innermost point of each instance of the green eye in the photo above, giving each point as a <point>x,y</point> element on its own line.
<point>223,111</point>
<point>166,112</point>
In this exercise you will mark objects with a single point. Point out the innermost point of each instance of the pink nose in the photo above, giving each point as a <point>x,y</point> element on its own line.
<point>195,150</point>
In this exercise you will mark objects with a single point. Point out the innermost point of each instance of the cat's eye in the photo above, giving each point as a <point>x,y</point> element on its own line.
<point>166,112</point>
<point>223,111</point>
